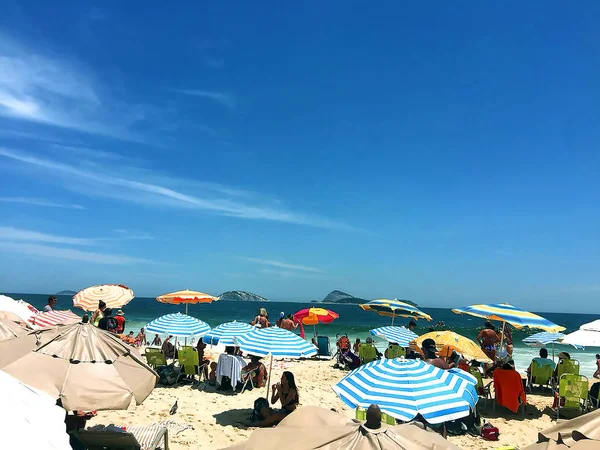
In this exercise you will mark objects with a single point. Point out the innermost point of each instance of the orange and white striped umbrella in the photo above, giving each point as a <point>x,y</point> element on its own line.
<point>114,295</point>
<point>51,318</point>
<point>186,296</point>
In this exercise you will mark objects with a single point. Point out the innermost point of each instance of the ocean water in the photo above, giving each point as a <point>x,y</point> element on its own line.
<point>353,321</point>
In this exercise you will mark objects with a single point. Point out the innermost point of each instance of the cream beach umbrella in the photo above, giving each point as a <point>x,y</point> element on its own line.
<point>12,306</point>
<point>10,329</point>
<point>186,297</point>
<point>87,368</point>
<point>114,295</point>
<point>29,418</point>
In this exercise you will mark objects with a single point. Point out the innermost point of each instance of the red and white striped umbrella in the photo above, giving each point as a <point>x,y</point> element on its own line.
<point>114,295</point>
<point>51,318</point>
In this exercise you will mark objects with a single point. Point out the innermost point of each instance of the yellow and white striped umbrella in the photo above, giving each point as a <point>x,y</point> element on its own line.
<point>114,295</point>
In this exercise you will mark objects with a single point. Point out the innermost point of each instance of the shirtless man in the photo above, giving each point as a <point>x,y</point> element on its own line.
<point>288,324</point>
<point>429,348</point>
<point>487,338</point>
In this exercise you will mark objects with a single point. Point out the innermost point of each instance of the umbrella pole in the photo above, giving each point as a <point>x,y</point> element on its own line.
<point>269,378</point>
<point>186,309</point>
<point>502,340</point>
<point>315,329</point>
<point>553,351</point>
<point>392,319</point>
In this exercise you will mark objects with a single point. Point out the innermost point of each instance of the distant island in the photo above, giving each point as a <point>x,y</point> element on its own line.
<point>241,296</point>
<point>67,292</point>
<point>342,297</point>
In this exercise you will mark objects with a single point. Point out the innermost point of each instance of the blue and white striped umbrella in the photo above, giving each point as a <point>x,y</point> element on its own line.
<point>404,388</point>
<point>397,335</point>
<point>225,333</point>
<point>180,325</point>
<point>543,338</point>
<point>277,342</point>
<point>511,314</point>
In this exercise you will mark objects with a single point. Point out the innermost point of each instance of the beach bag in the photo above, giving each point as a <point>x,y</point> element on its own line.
<point>167,375</point>
<point>112,325</point>
<point>489,432</point>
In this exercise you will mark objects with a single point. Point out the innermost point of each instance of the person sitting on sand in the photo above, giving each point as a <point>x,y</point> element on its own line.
<point>212,376</point>
<point>167,348</point>
<point>156,342</point>
<point>99,313</point>
<point>487,338</point>
<point>261,320</point>
<point>429,348</point>
<point>140,339</point>
<point>287,393</point>
<point>257,370</point>
<point>597,372</point>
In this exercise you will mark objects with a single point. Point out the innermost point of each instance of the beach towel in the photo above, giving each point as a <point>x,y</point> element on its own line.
<point>509,389</point>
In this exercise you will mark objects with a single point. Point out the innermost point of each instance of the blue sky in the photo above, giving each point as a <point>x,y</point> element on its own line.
<point>448,155</point>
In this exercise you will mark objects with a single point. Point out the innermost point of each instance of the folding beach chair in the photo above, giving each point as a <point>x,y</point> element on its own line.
<point>540,375</point>
<point>567,366</point>
<point>324,346</point>
<point>594,396</point>
<point>572,393</point>
<point>367,353</point>
<point>155,358</point>
<point>147,437</point>
<point>188,360</point>
<point>508,390</point>
<point>361,414</point>
<point>395,351</point>
<point>483,390</point>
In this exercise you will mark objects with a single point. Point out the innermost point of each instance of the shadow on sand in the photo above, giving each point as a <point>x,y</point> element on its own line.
<point>237,418</point>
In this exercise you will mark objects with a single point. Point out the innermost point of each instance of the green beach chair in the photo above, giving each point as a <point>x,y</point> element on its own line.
<point>540,375</point>
<point>572,393</point>
<point>395,351</point>
<point>188,360</point>
<point>155,358</point>
<point>367,353</point>
<point>567,366</point>
<point>484,391</point>
<point>361,414</point>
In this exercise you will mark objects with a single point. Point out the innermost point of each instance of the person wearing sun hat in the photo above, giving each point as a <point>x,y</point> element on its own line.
<point>120,318</point>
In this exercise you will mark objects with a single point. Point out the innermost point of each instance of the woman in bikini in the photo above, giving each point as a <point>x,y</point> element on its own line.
<point>287,393</point>
<point>262,320</point>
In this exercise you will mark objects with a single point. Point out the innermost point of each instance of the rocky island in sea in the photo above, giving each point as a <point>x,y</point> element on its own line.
<point>66,292</point>
<point>342,297</point>
<point>241,296</point>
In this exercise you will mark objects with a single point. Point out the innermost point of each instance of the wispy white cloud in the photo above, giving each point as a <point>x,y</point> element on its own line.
<point>51,252</point>
<point>282,265</point>
<point>17,234</point>
<point>39,86</point>
<point>40,202</point>
<point>224,98</point>
<point>128,188</point>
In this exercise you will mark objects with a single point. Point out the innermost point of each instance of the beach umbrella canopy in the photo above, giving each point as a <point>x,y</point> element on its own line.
<point>404,388</point>
<point>396,335</point>
<point>9,329</point>
<point>180,325</point>
<point>30,418</point>
<point>12,306</point>
<point>313,316</point>
<point>114,295</point>
<point>582,432</point>
<point>454,341</point>
<point>276,342</point>
<point>186,297</point>
<point>543,338</point>
<point>87,368</point>
<point>314,427</point>
<point>588,335</point>
<point>395,308</point>
<point>52,318</point>
<point>226,333</point>
<point>511,314</point>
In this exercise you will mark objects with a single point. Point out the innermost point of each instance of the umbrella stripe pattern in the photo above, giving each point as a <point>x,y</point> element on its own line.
<point>52,318</point>
<point>186,296</point>
<point>180,325</point>
<point>114,295</point>
<point>508,313</point>
<point>226,333</point>
<point>277,342</point>
<point>543,338</point>
<point>406,388</point>
<point>396,335</point>
<point>395,308</point>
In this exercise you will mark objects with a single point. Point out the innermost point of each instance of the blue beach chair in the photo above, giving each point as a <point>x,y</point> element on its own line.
<point>324,346</point>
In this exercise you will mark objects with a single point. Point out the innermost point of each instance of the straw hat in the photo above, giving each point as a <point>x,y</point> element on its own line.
<point>120,313</point>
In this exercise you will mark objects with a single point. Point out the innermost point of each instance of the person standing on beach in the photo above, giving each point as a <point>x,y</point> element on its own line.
<point>261,321</point>
<point>52,300</point>
<point>280,320</point>
<point>288,324</point>
<point>487,338</point>
<point>597,372</point>
<point>412,325</point>
<point>120,318</point>
<point>99,313</point>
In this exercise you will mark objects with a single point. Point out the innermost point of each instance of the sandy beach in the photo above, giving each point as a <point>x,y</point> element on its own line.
<point>218,419</point>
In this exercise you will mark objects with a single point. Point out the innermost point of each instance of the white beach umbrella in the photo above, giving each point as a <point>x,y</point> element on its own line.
<point>30,418</point>
<point>114,295</point>
<point>588,335</point>
<point>12,306</point>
